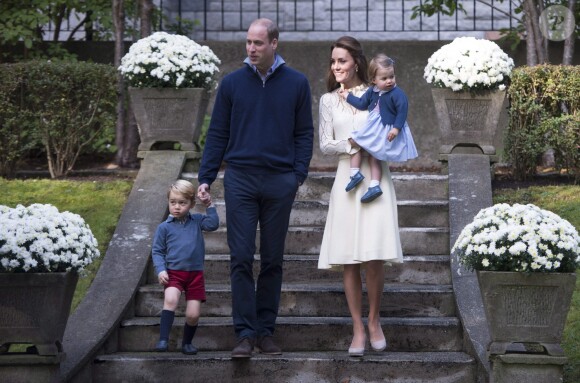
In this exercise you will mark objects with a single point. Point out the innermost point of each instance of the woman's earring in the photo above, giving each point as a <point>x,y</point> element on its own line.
<point>356,68</point>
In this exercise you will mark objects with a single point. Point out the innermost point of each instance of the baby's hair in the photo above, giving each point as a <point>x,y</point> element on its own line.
<point>380,61</point>
<point>183,187</point>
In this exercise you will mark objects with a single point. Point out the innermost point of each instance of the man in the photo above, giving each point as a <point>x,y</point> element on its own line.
<point>261,126</point>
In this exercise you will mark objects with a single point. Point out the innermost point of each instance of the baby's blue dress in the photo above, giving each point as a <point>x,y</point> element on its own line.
<point>372,137</point>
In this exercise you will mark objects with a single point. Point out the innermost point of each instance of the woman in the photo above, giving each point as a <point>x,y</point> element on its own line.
<point>357,236</point>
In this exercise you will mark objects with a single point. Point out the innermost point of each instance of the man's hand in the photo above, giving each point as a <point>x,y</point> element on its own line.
<point>203,194</point>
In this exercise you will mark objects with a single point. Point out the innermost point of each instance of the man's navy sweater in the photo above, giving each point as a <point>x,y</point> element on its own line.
<point>260,127</point>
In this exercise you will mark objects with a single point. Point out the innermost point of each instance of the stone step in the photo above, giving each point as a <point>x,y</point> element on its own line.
<point>316,300</point>
<point>299,334</point>
<point>307,240</point>
<point>411,213</point>
<point>307,367</point>
<point>416,269</point>
<point>411,186</point>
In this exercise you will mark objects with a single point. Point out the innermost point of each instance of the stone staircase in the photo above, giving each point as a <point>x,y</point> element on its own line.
<point>418,312</point>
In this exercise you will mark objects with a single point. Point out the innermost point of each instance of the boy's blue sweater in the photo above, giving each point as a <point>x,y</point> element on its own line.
<point>260,127</point>
<point>180,246</point>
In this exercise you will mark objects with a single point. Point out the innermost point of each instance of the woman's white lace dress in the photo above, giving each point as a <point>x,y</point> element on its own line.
<point>354,232</point>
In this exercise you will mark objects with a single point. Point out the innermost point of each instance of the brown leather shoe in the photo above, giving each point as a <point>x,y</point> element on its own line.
<point>267,346</point>
<point>243,349</point>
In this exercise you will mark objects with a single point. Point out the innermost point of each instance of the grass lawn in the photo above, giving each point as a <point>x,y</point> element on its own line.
<point>564,201</point>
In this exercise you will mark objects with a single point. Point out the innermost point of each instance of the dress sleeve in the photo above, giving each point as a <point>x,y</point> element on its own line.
<point>328,143</point>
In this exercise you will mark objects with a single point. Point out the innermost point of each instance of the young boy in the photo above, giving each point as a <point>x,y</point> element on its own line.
<point>178,255</point>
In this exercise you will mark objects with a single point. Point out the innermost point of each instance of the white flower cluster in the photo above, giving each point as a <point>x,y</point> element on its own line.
<point>468,63</point>
<point>163,60</point>
<point>39,238</point>
<point>519,238</point>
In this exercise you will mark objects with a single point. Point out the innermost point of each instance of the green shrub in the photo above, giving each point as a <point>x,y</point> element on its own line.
<point>12,137</point>
<point>544,113</point>
<point>64,108</point>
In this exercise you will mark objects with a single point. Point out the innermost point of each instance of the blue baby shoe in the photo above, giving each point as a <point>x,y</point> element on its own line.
<point>371,194</point>
<point>354,181</point>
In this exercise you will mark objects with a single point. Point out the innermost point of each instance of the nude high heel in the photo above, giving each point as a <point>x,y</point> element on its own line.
<point>357,351</point>
<point>379,345</point>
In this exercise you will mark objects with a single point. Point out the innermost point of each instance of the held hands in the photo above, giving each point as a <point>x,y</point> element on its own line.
<point>163,278</point>
<point>392,134</point>
<point>203,194</point>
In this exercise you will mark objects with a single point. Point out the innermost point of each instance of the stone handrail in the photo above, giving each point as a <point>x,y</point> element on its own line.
<point>469,192</point>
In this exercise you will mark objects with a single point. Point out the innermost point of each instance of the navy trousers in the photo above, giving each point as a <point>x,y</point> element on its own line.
<point>252,200</point>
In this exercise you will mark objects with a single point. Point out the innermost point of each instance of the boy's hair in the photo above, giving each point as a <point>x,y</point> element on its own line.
<point>183,187</point>
<point>380,61</point>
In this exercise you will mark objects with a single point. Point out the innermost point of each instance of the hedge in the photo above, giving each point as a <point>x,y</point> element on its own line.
<point>544,113</point>
<point>64,109</point>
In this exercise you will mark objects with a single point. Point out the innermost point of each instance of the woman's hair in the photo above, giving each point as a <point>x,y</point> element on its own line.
<point>354,48</point>
<point>380,61</point>
<point>183,187</point>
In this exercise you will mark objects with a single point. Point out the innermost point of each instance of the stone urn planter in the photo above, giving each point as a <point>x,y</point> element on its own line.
<point>526,308</point>
<point>169,115</point>
<point>35,308</point>
<point>468,118</point>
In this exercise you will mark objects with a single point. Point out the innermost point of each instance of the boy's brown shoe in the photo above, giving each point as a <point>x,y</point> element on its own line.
<point>267,346</point>
<point>243,349</point>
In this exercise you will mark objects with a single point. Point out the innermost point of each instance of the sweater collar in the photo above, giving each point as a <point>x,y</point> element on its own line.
<point>278,62</point>
<point>377,90</point>
<point>171,218</point>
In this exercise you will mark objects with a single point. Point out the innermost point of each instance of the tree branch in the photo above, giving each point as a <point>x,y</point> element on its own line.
<point>570,40</point>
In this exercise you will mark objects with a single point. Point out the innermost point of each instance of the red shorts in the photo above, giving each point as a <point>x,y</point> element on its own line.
<point>191,282</point>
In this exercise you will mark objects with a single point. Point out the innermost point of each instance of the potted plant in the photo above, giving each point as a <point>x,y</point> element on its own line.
<point>525,258</point>
<point>169,78</point>
<point>42,252</point>
<point>469,77</point>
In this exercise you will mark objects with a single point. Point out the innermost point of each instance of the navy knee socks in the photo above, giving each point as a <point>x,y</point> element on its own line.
<point>188,333</point>
<point>166,322</point>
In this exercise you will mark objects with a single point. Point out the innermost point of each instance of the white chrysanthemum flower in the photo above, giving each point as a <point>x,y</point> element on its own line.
<point>165,60</point>
<point>518,238</point>
<point>38,238</point>
<point>469,63</point>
